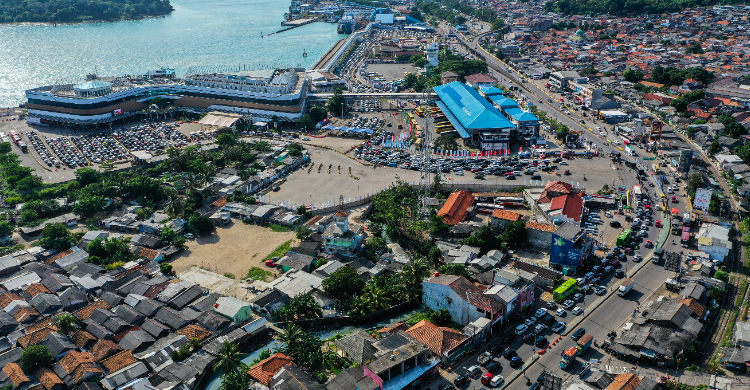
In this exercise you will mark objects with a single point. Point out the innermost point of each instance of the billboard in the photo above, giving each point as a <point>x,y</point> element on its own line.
<point>702,199</point>
<point>563,252</point>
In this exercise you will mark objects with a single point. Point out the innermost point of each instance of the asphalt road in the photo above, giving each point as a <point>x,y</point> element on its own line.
<point>612,313</point>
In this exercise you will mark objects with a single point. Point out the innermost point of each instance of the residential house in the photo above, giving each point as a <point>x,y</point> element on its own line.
<point>464,300</point>
<point>342,237</point>
<point>357,347</point>
<point>265,370</point>
<point>298,261</point>
<point>236,310</point>
<point>359,378</point>
<point>450,345</point>
<point>539,234</point>
<point>501,218</point>
<point>400,361</point>
<point>714,240</point>
<point>294,378</point>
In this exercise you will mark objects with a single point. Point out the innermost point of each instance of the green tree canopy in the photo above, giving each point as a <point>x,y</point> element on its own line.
<point>201,224</point>
<point>109,251</point>
<point>35,357</point>
<point>514,235</point>
<point>337,104</point>
<point>484,238</point>
<point>632,75</point>
<point>455,269</point>
<point>446,142</point>
<point>343,284</point>
<point>57,236</point>
<point>6,229</point>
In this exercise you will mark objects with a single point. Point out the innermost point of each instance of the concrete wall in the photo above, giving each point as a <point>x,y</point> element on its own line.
<point>539,238</point>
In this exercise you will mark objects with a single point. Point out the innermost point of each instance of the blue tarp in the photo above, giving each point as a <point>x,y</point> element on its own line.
<point>470,109</point>
<point>410,376</point>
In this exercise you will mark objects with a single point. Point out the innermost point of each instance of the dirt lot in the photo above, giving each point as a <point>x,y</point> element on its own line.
<point>234,249</point>
<point>391,71</point>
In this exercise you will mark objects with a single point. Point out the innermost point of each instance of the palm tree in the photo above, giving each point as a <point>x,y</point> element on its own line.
<point>66,323</point>
<point>228,359</point>
<point>375,299</point>
<point>291,335</point>
<point>175,205</point>
<point>415,272</point>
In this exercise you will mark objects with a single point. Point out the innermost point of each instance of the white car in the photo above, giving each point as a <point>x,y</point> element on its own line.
<point>530,321</point>
<point>560,312</point>
<point>540,313</point>
<point>497,381</point>
<point>563,163</point>
<point>459,173</point>
<point>520,329</point>
<point>558,327</point>
<point>568,304</point>
<point>577,310</point>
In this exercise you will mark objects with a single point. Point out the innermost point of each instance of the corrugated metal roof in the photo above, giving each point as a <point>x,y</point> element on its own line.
<point>473,111</point>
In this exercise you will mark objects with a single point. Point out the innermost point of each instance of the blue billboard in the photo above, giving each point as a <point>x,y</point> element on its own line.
<point>564,252</point>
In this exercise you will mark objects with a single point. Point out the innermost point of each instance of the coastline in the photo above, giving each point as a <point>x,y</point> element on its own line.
<point>52,23</point>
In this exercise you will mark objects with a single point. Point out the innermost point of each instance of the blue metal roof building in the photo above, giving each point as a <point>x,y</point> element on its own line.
<point>469,112</point>
<point>520,115</point>
<point>504,102</point>
<point>491,90</point>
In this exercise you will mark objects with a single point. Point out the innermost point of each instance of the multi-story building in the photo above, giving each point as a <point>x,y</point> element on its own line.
<point>257,94</point>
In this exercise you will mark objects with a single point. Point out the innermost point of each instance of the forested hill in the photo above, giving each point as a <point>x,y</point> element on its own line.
<point>17,11</point>
<point>629,7</point>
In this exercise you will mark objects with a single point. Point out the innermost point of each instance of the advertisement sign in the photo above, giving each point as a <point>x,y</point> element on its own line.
<point>702,199</point>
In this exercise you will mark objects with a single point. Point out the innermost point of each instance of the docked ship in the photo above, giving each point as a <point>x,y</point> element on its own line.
<point>261,94</point>
<point>347,25</point>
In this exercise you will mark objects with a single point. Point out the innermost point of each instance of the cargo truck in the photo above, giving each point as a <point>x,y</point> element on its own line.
<point>569,356</point>
<point>626,286</point>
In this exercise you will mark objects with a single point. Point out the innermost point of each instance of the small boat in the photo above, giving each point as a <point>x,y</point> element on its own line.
<point>304,53</point>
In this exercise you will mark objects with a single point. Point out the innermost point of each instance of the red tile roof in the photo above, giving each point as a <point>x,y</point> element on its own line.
<point>73,359</point>
<point>220,202</point>
<point>15,373</point>
<point>148,253</point>
<point>440,340</point>
<point>48,378</point>
<point>118,361</point>
<point>36,337</point>
<point>693,304</point>
<point>26,314</point>
<point>35,289</point>
<point>506,215</point>
<point>82,339</point>
<point>480,78</point>
<point>266,369</point>
<point>624,382</point>
<point>455,208</point>
<point>395,328</point>
<point>85,313</point>
<point>571,205</point>
<point>193,331</point>
<point>59,256</point>
<point>540,226</point>
<point>104,349</point>
<point>8,297</point>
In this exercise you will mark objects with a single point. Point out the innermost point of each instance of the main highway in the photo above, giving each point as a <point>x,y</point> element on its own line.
<point>614,310</point>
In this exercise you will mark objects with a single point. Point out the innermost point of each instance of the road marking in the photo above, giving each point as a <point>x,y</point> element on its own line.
<point>546,296</point>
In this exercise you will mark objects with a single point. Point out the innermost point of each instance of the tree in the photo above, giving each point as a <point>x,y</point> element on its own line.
<point>483,238</point>
<point>415,273</point>
<point>294,149</point>
<point>514,235</point>
<point>89,205</point>
<point>201,225</point>
<point>301,306</point>
<point>6,229</point>
<point>107,166</point>
<point>165,268</point>
<point>36,357</point>
<point>168,234</point>
<point>318,113</point>
<point>87,175</point>
<point>57,236</point>
<point>455,269</point>
<point>721,275</point>
<point>694,49</point>
<point>302,231</point>
<point>375,299</point>
<point>337,104</point>
<point>497,24</point>
<point>235,380</point>
<point>695,181</point>
<point>446,142</point>
<point>306,123</point>
<point>109,251</point>
<point>372,248</point>
<point>343,284</point>
<point>225,140</point>
<point>632,75</point>
<point>714,147</point>
<point>66,323</point>
<point>714,205</point>
<point>5,148</point>
<point>228,359</point>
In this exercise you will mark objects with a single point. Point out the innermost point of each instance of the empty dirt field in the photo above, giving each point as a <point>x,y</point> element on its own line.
<point>234,249</point>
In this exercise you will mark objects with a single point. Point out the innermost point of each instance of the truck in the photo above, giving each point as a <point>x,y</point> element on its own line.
<point>484,358</point>
<point>569,356</point>
<point>626,286</point>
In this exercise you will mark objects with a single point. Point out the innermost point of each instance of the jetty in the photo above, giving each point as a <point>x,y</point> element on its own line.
<point>294,24</point>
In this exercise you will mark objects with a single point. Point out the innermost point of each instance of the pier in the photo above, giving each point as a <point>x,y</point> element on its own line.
<point>329,54</point>
<point>294,24</point>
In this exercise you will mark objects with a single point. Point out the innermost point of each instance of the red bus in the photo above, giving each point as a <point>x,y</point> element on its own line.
<point>685,235</point>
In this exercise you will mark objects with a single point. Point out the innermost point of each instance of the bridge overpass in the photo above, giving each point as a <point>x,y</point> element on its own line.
<point>318,97</point>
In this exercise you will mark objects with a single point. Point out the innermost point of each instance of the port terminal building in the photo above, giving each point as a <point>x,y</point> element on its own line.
<point>258,95</point>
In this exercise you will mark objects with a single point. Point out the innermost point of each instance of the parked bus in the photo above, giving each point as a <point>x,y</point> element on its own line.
<point>488,208</point>
<point>420,111</point>
<point>509,201</point>
<point>565,290</point>
<point>623,240</point>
